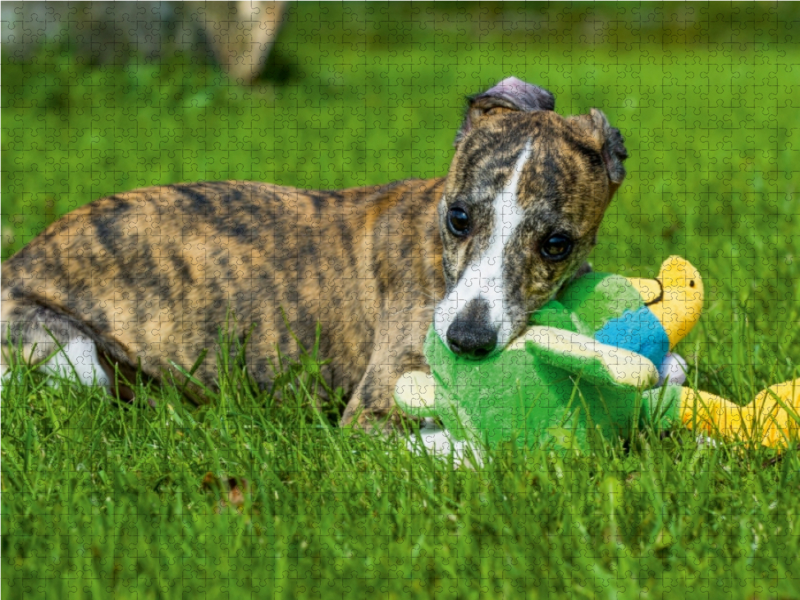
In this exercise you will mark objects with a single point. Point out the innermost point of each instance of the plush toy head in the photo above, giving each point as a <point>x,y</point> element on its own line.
<point>583,364</point>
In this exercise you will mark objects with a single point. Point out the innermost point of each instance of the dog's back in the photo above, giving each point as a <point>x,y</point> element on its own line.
<point>152,274</point>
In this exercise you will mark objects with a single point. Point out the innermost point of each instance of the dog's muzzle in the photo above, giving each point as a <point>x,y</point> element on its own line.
<point>471,334</point>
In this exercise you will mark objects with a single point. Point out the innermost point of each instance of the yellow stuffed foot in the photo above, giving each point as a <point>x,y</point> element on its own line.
<point>771,419</point>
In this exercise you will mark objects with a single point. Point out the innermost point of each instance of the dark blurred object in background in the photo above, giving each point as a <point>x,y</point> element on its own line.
<point>238,35</point>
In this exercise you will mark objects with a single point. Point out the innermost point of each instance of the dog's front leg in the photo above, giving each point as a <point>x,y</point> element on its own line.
<point>397,349</point>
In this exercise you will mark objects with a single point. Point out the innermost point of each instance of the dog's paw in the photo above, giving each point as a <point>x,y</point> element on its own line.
<point>438,442</point>
<point>383,423</point>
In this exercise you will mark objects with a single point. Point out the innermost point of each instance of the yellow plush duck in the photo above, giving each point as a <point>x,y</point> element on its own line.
<point>771,419</point>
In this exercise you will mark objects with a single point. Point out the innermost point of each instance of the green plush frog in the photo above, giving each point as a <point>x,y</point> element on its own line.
<point>589,362</point>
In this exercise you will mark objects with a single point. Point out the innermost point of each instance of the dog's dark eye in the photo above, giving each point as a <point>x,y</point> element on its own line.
<point>458,220</point>
<point>556,247</point>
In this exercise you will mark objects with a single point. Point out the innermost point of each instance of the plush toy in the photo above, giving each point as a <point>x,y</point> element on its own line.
<point>588,363</point>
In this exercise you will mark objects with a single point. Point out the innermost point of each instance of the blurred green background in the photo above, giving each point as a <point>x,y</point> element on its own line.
<point>355,94</point>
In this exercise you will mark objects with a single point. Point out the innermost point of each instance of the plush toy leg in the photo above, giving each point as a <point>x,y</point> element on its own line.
<point>415,393</point>
<point>771,419</point>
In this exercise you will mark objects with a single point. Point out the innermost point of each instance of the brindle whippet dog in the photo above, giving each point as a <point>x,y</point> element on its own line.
<point>147,277</point>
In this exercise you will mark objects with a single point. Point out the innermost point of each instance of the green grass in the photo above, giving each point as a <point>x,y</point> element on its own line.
<point>101,500</point>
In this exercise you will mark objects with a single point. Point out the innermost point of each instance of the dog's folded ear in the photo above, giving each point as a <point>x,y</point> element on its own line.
<point>509,95</point>
<point>612,147</point>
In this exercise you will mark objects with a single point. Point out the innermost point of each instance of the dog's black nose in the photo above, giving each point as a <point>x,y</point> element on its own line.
<point>470,335</point>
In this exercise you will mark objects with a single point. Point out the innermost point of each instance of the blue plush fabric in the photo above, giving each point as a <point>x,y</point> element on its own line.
<point>639,331</point>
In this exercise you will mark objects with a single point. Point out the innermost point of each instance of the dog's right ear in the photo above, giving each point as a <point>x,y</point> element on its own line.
<point>509,95</point>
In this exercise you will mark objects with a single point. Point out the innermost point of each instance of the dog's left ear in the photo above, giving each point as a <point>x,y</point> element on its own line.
<point>509,95</point>
<point>612,148</point>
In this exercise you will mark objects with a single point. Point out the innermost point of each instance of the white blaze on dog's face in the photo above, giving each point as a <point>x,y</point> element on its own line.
<point>482,281</point>
<point>522,204</point>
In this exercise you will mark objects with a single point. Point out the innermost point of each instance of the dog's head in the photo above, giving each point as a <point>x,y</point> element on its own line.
<point>522,203</point>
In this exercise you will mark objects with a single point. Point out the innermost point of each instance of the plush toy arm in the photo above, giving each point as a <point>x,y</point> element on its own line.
<point>599,364</point>
<point>415,394</point>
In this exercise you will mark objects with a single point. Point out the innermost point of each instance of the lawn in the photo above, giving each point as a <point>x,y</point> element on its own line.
<point>251,495</point>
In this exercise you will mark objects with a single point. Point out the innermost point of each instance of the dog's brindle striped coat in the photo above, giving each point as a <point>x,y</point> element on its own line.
<point>147,277</point>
